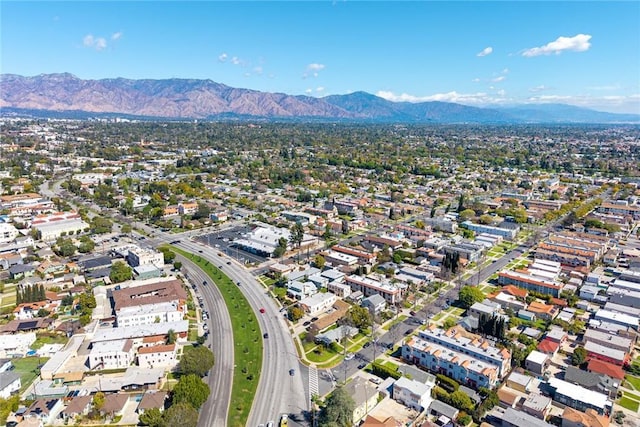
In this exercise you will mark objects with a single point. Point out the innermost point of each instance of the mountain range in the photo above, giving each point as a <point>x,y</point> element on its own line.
<point>65,95</point>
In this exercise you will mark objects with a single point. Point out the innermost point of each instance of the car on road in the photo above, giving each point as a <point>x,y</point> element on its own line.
<point>265,335</point>
<point>283,420</point>
<point>313,319</point>
<point>307,323</point>
<point>262,310</point>
<point>349,356</point>
<point>228,262</point>
<point>199,250</point>
<point>375,380</point>
<point>367,344</point>
<point>292,372</point>
<point>362,365</point>
<point>270,424</point>
<point>204,283</point>
<point>413,313</point>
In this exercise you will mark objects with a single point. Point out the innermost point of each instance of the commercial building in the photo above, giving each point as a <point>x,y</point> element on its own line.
<point>146,314</point>
<point>507,233</point>
<point>50,227</point>
<point>139,257</point>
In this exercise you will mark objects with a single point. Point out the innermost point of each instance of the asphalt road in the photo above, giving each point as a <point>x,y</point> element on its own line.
<point>278,392</point>
<point>215,410</point>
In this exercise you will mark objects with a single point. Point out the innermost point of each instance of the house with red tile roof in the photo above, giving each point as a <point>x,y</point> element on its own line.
<point>606,368</point>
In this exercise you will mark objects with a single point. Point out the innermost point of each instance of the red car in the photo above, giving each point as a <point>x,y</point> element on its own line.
<point>262,310</point>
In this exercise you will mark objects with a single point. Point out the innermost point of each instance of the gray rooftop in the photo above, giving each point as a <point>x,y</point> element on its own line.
<point>520,419</point>
<point>444,409</point>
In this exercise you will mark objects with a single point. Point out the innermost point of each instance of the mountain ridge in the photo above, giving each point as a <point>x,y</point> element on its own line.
<point>180,98</point>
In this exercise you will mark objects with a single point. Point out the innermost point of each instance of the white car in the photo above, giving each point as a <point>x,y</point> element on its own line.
<point>349,356</point>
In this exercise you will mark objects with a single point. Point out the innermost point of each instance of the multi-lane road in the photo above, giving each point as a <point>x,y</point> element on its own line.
<point>215,410</point>
<point>278,392</point>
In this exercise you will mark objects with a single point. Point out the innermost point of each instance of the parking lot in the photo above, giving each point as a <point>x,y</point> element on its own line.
<point>222,240</point>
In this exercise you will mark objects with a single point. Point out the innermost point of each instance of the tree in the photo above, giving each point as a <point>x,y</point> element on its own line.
<point>360,317</point>
<point>181,414</point>
<point>171,336</point>
<point>281,248</point>
<point>470,295</point>
<point>197,361</point>
<point>297,234</point>
<point>461,401</point>
<point>126,229</point>
<point>192,390</point>
<point>466,215</point>
<point>100,225</point>
<point>177,265</point>
<point>338,409</point>
<point>579,356</point>
<point>295,313</point>
<point>65,247</point>
<point>120,272</point>
<point>98,400</point>
<point>151,417</point>
<point>86,245</point>
<point>319,261</point>
<point>168,254</point>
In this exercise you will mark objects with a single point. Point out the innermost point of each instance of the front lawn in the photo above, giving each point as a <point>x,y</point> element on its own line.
<point>28,368</point>
<point>633,381</point>
<point>46,338</point>
<point>629,404</point>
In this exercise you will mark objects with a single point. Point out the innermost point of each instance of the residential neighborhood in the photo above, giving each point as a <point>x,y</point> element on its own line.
<point>456,292</point>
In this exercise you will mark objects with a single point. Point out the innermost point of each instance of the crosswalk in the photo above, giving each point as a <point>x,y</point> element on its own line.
<point>313,382</point>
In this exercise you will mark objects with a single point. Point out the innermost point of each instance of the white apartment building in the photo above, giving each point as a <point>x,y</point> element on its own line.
<point>158,356</point>
<point>111,354</point>
<point>412,393</point>
<point>318,303</point>
<point>136,315</point>
<point>7,232</point>
<point>368,286</point>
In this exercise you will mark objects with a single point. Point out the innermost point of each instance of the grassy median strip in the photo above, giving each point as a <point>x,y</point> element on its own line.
<point>247,339</point>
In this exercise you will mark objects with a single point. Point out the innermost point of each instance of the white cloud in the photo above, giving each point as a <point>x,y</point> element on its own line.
<point>116,36</point>
<point>315,67</point>
<point>97,43</point>
<point>235,60</point>
<point>476,80</point>
<point>577,43</point>
<point>258,70</point>
<point>605,87</point>
<point>538,89</point>
<point>486,51</point>
<point>247,74</point>
<point>610,103</point>
<point>505,71</point>
<point>320,89</point>
<point>223,57</point>
<point>498,79</point>
<point>308,90</point>
<point>478,98</point>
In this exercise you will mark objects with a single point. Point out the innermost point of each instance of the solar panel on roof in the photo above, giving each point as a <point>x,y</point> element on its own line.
<point>30,324</point>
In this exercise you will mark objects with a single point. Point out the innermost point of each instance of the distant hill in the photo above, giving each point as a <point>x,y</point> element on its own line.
<point>65,95</point>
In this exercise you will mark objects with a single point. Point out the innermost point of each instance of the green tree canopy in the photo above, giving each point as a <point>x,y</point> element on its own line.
<point>191,390</point>
<point>470,295</point>
<point>151,417</point>
<point>338,409</point>
<point>360,317</point>
<point>120,272</point>
<point>579,356</point>
<point>181,414</point>
<point>199,360</point>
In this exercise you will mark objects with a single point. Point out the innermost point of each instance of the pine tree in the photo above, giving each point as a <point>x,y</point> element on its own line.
<point>42,296</point>
<point>18,296</point>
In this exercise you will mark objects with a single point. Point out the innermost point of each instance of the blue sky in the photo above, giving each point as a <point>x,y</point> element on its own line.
<point>475,53</point>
